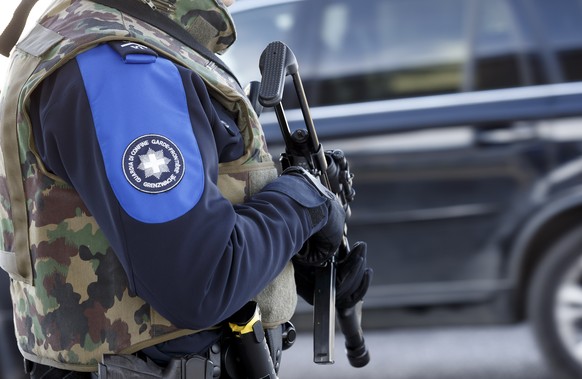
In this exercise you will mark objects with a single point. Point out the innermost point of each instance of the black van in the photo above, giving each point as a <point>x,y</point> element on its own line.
<point>462,121</point>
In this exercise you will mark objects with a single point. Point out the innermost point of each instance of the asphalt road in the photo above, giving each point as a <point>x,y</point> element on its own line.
<point>483,352</point>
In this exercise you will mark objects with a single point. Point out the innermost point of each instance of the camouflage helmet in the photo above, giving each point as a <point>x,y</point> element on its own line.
<point>205,20</point>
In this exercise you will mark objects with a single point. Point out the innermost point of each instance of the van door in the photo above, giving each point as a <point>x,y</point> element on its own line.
<point>432,204</point>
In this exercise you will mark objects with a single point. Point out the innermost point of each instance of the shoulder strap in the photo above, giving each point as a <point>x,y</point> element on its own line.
<point>14,29</point>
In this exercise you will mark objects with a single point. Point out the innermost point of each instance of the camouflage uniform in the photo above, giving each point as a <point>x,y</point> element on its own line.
<point>72,302</point>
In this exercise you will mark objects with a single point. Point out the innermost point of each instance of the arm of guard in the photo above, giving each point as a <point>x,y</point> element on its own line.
<point>186,250</point>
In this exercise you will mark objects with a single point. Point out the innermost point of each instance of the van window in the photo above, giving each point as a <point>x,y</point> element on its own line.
<point>357,51</point>
<point>378,49</point>
<point>560,20</point>
<point>503,54</point>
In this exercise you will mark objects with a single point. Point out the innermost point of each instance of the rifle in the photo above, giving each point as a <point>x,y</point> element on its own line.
<point>302,148</point>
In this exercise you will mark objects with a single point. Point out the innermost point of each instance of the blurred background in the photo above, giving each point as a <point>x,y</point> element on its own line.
<point>461,120</point>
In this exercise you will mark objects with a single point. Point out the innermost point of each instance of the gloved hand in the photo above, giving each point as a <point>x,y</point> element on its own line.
<point>353,277</point>
<point>340,177</point>
<point>325,242</point>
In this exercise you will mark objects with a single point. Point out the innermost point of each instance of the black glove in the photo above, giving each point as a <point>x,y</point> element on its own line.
<point>353,278</point>
<point>340,177</point>
<point>325,242</point>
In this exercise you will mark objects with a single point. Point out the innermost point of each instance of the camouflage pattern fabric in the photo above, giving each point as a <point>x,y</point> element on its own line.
<point>211,24</point>
<point>72,302</point>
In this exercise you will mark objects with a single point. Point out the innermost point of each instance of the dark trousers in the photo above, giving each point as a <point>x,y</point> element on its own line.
<point>11,364</point>
<point>39,371</point>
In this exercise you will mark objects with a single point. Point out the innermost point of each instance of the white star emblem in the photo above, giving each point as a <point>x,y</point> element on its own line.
<point>154,163</point>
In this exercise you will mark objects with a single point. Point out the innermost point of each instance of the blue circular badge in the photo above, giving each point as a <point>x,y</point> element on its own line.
<point>153,164</point>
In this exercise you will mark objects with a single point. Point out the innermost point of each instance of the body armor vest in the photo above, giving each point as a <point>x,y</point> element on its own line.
<point>71,296</point>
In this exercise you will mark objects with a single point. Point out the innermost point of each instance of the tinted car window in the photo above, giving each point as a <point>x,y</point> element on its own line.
<point>561,24</point>
<point>359,51</point>
<point>378,51</point>
<point>503,54</point>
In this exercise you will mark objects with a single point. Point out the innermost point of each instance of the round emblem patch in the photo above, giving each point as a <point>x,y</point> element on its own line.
<point>153,164</point>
